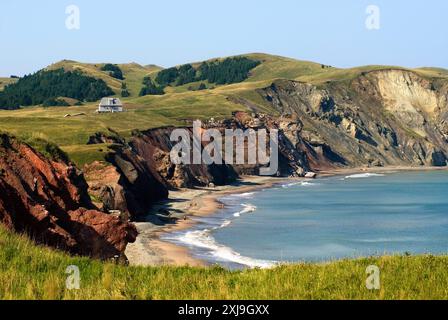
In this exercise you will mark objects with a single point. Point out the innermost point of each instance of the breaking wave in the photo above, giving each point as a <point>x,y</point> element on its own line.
<point>248,208</point>
<point>301,183</point>
<point>244,195</point>
<point>364,175</point>
<point>204,240</point>
<point>226,223</point>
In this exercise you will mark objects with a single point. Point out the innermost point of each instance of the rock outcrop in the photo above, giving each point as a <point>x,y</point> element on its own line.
<point>386,117</point>
<point>139,185</point>
<point>49,201</point>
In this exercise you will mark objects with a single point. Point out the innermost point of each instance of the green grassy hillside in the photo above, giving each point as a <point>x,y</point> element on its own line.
<point>72,133</point>
<point>276,67</point>
<point>133,73</point>
<point>28,271</point>
<point>176,107</point>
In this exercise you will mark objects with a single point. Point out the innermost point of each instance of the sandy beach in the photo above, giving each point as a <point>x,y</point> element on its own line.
<point>184,205</point>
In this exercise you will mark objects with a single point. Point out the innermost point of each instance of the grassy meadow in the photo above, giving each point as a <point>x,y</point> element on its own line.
<point>33,272</point>
<point>72,133</point>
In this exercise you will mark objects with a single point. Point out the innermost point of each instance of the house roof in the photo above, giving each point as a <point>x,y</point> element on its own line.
<point>110,102</point>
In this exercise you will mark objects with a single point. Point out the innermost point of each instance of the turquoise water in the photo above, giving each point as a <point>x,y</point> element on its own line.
<point>326,219</point>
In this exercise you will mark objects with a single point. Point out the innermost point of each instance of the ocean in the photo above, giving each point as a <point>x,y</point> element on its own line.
<point>325,220</point>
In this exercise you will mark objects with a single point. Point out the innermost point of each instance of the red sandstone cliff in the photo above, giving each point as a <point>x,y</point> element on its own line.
<point>48,200</point>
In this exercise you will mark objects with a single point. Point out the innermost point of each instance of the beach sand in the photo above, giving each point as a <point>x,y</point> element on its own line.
<point>184,205</point>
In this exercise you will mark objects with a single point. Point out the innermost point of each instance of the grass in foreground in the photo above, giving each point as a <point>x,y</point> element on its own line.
<point>28,271</point>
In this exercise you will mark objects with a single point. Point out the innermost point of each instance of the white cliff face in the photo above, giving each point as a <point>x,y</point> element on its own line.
<point>408,97</point>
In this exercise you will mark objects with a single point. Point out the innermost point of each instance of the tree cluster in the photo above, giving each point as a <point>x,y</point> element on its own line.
<point>48,85</point>
<point>230,70</point>
<point>150,88</point>
<point>114,71</point>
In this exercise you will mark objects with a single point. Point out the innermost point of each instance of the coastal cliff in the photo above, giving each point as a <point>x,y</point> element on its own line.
<point>389,117</point>
<point>140,172</point>
<point>381,118</point>
<point>48,200</point>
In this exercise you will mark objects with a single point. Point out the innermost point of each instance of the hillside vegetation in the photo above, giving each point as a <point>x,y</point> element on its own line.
<point>179,105</point>
<point>28,271</point>
<point>133,73</point>
<point>45,86</point>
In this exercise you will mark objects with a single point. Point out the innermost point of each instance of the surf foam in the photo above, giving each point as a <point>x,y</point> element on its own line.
<point>204,240</point>
<point>248,208</point>
<point>301,183</point>
<point>364,175</point>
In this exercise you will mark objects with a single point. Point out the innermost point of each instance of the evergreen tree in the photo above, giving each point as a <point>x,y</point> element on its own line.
<point>230,70</point>
<point>167,76</point>
<point>124,90</point>
<point>150,88</point>
<point>47,86</point>
<point>114,71</point>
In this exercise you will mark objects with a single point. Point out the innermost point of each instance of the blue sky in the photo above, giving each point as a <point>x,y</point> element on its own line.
<point>33,33</point>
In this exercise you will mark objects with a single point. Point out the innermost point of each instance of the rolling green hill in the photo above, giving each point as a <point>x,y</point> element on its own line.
<point>133,73</point>
<point>177,106</point>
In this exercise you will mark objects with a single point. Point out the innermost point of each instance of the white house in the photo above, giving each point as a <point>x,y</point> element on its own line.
<point>110,105</point>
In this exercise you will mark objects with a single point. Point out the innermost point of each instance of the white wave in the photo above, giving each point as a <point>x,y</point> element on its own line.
<point>301,183</point>
<point>203,239</point>
<point>248,208</point>
<point>398,239</point>
<point>364,175</point>
<point>244,195</point>
<point>225,224</point>
<point>305,184</point>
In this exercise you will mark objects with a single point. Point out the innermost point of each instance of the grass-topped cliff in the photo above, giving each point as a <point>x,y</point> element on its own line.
<point>28,271</point>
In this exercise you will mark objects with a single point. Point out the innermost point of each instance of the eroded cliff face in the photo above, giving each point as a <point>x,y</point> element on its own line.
<point>380,118</point>
<point>48,200</point>
<point>154,147</point>
<point>140,171</point>
<point>391,117</point>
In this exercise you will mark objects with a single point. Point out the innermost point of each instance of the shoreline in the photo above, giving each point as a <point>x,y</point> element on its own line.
<point>186,204</point>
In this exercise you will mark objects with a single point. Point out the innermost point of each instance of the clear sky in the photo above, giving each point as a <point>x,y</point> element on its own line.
<point>33,34</point>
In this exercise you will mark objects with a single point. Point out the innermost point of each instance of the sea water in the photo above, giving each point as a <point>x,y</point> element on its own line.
<point>324,220</point>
